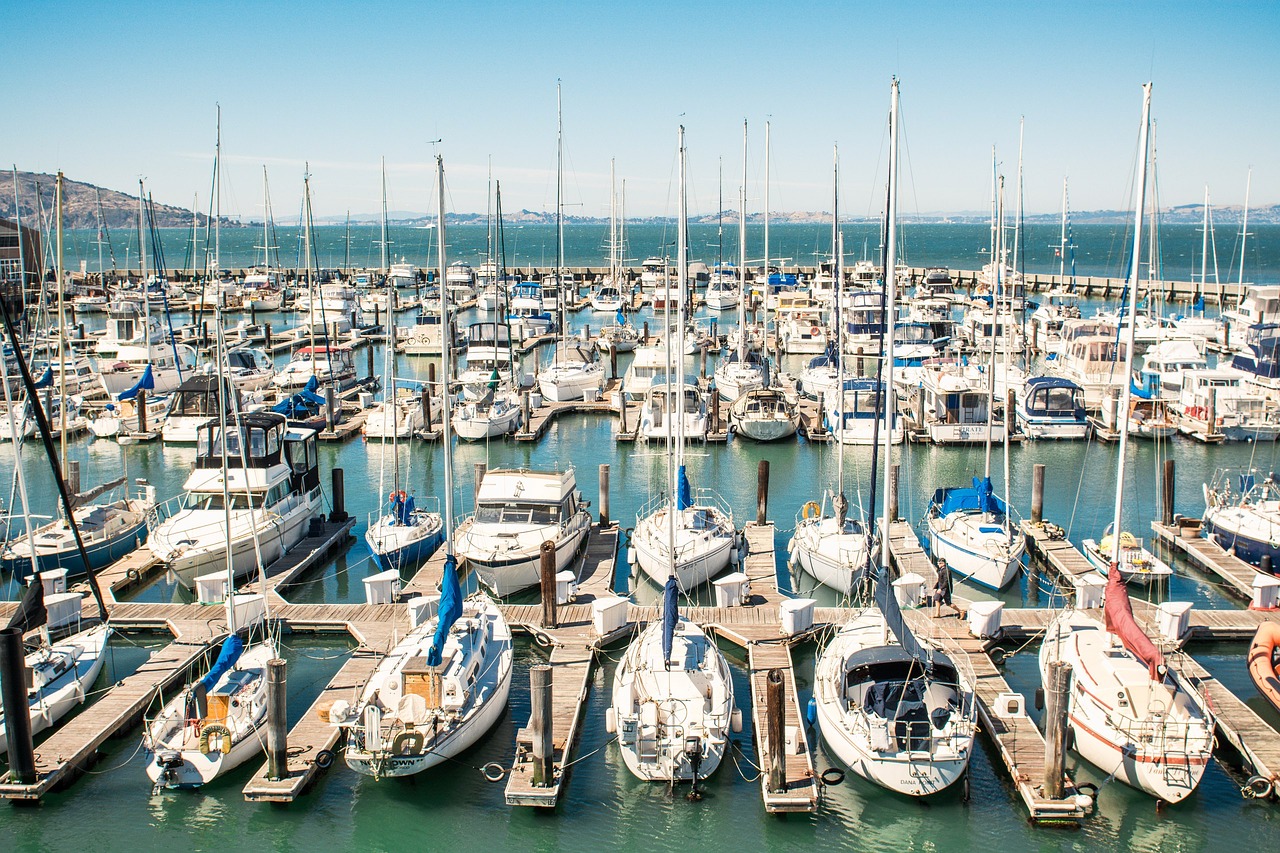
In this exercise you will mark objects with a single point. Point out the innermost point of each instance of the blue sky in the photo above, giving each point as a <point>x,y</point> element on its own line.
<point>111,91</point>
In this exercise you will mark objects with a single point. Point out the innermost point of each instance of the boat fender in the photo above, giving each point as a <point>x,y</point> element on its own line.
<point>815,331</point>
<point>1258,787</point>
<point>132,574</point>
<point>811,510</point>
<point>811,712</point>
<point>408,743</point>
<point>832,776</point>
<point>735,720</point>
<point>1089,789</point>
<point>493,771</point>
<point>324,758</point>
<point>610,720</point>
<point>224,739</point>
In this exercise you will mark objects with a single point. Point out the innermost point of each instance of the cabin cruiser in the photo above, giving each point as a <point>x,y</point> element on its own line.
<point>1242,516</point>
<point>528,318</point>
<point>1094,362</point>
<point>329,366</point>
<point>955,406</point>
<point>858,415</point>
<point>1052,407</point>
<point>1258,360</point>
<point>1216,406</point>
<point>657,415</point>
<point>133,343</point>
<point>330,308</point>
<point>249,369</point>
<point>516,511</point>
<point>273,480</point>
<point>196,401</point>
<point>577,373</point>
<point>1260,305</point>
<point>491,358</point>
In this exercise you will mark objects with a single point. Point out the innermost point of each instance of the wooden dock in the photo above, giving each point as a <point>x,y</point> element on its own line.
<point>909,556</point>
<point>1256,742</point>
<point>303,557</point>
<point>800,791</point>
<point>1186,541</point>
<point>1019,742</point>
<point>1057,553</point>
<point>72,747</point>
<point>311,736</point>
<point>760,564</point>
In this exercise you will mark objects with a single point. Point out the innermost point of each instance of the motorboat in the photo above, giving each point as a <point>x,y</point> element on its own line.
<point>1136,563</point>
<point>1052,407</point>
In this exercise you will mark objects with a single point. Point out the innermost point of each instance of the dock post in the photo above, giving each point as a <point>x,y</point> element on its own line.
<point>1037,493</point>
<point>715,409</point>
<point>604,494</point>
<point>368,362</point>
<point>339,512</point>
<point>547,554</point>
<point>13,664</point>
<point>330,415</point>
<point>613,361</point>
<point>762,492</point>
<point>480,468</point>
<point>1056,690</point>
<point>1211,428</point>
<point>1010,406</point>
<point>142,410</point>
<point>1166,484</point>
<point>266,331</point>
<point>894,473</point>
<point>377,315</point>
<point>525,410</point>
<point>645,339</point>
<point>426,407</point>
<point>540,723</point>
<point>73,480</point>
<point>431,372</point>
<point>819,428</point>
<point>702,362</point>
<point>277,721</point>
<point>775,728</point>
<point>622,412</point>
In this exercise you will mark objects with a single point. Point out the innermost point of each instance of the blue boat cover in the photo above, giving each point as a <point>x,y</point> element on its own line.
<point>231,648</point>
<point>146,382</point>
<point>670,615</point>
<point>684,493</point>
<point>46,379</point>
<point>621,318</point>
<point>449,610</point>
<point>1199,303</point>
<point>980,498</point>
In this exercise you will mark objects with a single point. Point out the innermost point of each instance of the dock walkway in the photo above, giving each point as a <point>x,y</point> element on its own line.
<point>1186,541</point>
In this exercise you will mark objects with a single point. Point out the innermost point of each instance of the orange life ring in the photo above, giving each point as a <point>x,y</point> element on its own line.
<point>815,331</point>
<point>1261,669</point>
<point>810,510</point>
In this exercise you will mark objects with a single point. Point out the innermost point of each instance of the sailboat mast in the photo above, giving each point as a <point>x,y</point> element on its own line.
<point>890,287</point>
<point>266,220</point>
<point>446,344</point>
<point>1244,233</point>
<point>613,226</point>
<point>998,269</point>
<point>836,251</point>
<point>766,243</point>
<point>682,282</point>
<point>1062,237</point>
<point>306,248</point>
<point>1204,241</point>
<point>560,294</point>
<point>385,266</point>
<point>742,253</point>
<point>62,337</point>
<point>1138,208</point>
<point>1017,223</point>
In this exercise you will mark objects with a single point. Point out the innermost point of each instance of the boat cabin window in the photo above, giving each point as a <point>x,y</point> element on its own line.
<point>1057,399</point>
<point>519,513</point>
<point>214,500</point>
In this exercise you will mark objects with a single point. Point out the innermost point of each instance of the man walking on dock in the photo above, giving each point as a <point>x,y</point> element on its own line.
<point>942,589</point>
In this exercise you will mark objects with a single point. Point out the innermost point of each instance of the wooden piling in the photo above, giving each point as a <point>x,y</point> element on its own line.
<point>613,361</point>
<point>339,512</point>
<point>277,721</point>
<point>266,330</point>
<point>1167,493</point>
<point>526,409</point>
<point>894,473</point>
<point>762,492</point>
<point>73,476</point>
<point>1037,493</point>
<point>1056,693</point>
<point>604,494</point>
<point>547,554</point>
<point>142,411</point>
<point>1211,428</point>
<point>775,726</point>
<point>13,683</point>
<point>330,406</point>
<point>425,397</point>
<point>540,719</point>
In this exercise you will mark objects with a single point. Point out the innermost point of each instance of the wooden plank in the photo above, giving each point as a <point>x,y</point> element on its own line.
<point>800,794</point>
<point>1208,556</point>
<point>571,668</point>
<point>1256,741</point>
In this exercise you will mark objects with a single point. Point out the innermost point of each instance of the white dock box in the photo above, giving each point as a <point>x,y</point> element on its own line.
<point>1266,592</point>
<point>1173,618</point>
<point>796,615</point>
<point>985,618</point>
<point>566,587</point>
<point>249,609</point>
<point>908,589</point>
<point>731,589</point>
<point>54,581</point>
<point>609,614</point>
<point>63,608</point>
<point>1089,589</point>
<point>382,588</point>
<point>422,610</point>
<point>211,588</point>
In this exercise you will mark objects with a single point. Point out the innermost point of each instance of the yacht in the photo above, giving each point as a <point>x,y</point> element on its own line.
<point>329,366</point>
<point>857,416</point>
<point>577,373</point>
<point>955,406</point>
<point>516,511</point>
<point>133,343</point>
<point>194,403</point>
<point>1242,516</point>
<point>656,416</point>
<point>1052,407</point>
<point>274,481</point>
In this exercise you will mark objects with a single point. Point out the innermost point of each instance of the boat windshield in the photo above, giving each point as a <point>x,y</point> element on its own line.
<point>518,513</point>
<point>213,500</point>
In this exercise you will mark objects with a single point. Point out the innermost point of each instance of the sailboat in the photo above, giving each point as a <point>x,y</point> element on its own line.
<point>680,534</point>
<point>672,704</point>
<point>216,724</point>
<point>1132,715</point>
<point>893,707</point>
<point>743,370</point>
<point>577,370</point>
<point>447,682</point>
<point>971,528</point>
<point>827,544</point>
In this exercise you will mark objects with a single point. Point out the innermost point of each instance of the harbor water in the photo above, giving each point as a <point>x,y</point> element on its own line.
<point>454,808</point>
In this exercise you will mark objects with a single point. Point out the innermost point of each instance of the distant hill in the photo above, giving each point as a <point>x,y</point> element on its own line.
<point>80,204</point>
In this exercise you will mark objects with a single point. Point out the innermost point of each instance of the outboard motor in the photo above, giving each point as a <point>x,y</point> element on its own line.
<point>693,751</point>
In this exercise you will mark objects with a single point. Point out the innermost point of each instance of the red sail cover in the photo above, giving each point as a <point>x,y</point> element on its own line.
<point>1119,614</point>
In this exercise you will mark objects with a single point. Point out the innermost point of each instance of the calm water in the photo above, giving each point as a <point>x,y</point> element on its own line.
<point>1100,250</point>
<point>454,808</point>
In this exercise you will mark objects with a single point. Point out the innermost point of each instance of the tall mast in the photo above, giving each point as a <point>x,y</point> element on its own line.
<point>998,271</point>
<point>1141,184</point>
<point>1244,233</point>
<point>62,336</point>
<point>446,344</point>
<point>1062,236</point>
<point>766,243</point>
<point>306,248</point>
<point>142,255</point>
<point>890,286</point>
<point>217,202</point>
<point>682,281</point>
<point>1204,241</point>
<point>613,226</point>
<point>1017,223</point>
<point>742,253</point>
<point>266,223</point>
<point>836,252</point>
<point>560,295</point>
<point>385,266</point>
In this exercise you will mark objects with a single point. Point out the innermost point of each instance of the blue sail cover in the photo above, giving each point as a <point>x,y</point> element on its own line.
<point>449,610</point>
<point>888,603</point>
<point>621,318</point>
<point>986,498</point>
<point>312,385</point>
<point>684,494</point>
<point>670,615</point>
<point>46,379</point>
<point>1199,303</point>
<point>146,382</point>
<point>231,648</point>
